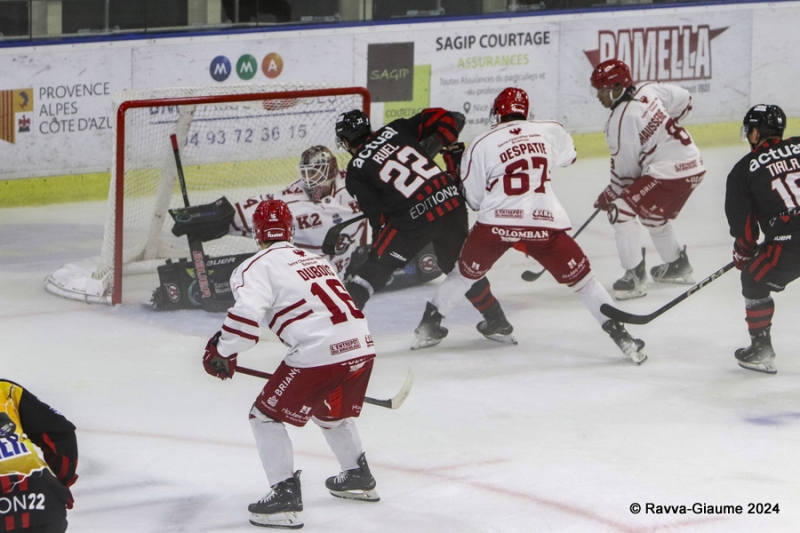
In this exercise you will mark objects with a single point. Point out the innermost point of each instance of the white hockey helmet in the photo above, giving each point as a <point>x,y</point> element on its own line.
<point>318,169</point>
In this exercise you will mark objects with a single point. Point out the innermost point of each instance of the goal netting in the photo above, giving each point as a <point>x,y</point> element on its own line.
<point>236,141</point>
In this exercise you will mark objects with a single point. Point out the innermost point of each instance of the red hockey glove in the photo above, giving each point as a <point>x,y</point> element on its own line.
<point>606,197</point>
<point>743,252</point>
<point>215,364</point>
<point>452,157</point>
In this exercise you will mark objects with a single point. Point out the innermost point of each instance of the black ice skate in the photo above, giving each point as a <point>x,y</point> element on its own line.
<point>632,283</point>
<point>280,508</point>
<point>759,355</point>
<point>629,346</point>
<point>429,332</point>
<point>495,326</point>
<point>678,271</point>
<point>355,484</point>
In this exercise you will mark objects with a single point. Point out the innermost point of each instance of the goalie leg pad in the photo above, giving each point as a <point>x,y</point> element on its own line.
<point>178,287</point>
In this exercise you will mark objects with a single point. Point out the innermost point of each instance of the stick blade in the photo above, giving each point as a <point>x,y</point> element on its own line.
<point>529,275</point>
<point>399,398</point>
<point>624,316</point>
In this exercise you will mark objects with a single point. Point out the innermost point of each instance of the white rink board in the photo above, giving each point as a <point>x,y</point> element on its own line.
<point>738,55</point>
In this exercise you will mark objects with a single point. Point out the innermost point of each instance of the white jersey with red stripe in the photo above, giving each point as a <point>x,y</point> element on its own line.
<point>299,298</point>
<point>506,174</point>
<point>644,137</point>
<point>311,220</point>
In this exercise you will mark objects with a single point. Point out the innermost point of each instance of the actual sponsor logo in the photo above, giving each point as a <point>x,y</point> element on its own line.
<point>660,53</point>
<point>345,346</point>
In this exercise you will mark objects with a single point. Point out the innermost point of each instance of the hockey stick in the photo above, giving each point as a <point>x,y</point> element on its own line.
<point>332,237</point>
<point>529,275</point>
<point>629,318</point>
<point>195,245</point>
<point>391,403</point>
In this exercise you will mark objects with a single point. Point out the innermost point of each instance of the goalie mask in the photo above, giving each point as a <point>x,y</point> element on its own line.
<point>769,120</point>
<point>511,101</point>
<point>272,221</point>
<point>318,169</point>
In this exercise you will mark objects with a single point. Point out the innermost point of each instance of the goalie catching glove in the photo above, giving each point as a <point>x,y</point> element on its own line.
<point>215,364</point>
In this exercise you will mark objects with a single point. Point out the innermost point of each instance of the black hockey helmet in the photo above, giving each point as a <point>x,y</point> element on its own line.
<point>769,120</point>
<point>352,127</point>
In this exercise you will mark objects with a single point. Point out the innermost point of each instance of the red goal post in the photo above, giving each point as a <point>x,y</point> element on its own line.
<point>238,141</point>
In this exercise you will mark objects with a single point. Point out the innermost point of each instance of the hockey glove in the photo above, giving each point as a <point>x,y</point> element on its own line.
<point>606,197</point>
<point>743,252</point>
<point>452,157</point>
<point>215,364</point>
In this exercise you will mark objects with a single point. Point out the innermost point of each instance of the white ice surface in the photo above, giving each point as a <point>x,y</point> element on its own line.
<point>558,434</point>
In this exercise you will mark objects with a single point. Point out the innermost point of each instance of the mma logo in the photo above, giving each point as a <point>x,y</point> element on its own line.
<point>246,67</point>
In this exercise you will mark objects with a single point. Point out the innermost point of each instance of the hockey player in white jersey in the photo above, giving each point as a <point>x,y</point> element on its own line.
<point>505,174</point>
<point>324,375</point>
<point>655,166</point>
<point>318,200</point>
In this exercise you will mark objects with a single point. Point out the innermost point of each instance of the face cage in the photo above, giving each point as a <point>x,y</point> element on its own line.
<point>315,179</point>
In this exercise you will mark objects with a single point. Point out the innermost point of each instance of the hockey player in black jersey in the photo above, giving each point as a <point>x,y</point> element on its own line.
<point>38,460</point>
<point>762,195</point>
<point>410,202</point>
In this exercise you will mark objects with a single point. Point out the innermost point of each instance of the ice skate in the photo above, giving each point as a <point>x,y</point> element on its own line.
<point>632,284</point>
<point>678,271</point>
<point>759,356</point>
<point>280,508</point>
<point>429,332</point>
<point>355,484</point>
<point>495,326</point>
<point>629,346</point>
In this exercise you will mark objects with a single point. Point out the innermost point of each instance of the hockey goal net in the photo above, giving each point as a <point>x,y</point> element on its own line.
<point>234,141</point>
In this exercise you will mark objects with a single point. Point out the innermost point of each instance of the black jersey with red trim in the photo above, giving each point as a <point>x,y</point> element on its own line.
<point>396,182</point>
<point>34,491</point>
<point>763,192</point>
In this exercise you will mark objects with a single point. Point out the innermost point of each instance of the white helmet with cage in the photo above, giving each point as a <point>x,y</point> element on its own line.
<point>318,169</point>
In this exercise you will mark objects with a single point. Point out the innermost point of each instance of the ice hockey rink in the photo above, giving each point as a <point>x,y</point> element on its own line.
<point>560,433</point>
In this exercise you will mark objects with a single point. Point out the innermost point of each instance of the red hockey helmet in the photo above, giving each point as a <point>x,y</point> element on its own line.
<point>510,101</point>
<point>609,74</point>
<point>272,221</point>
